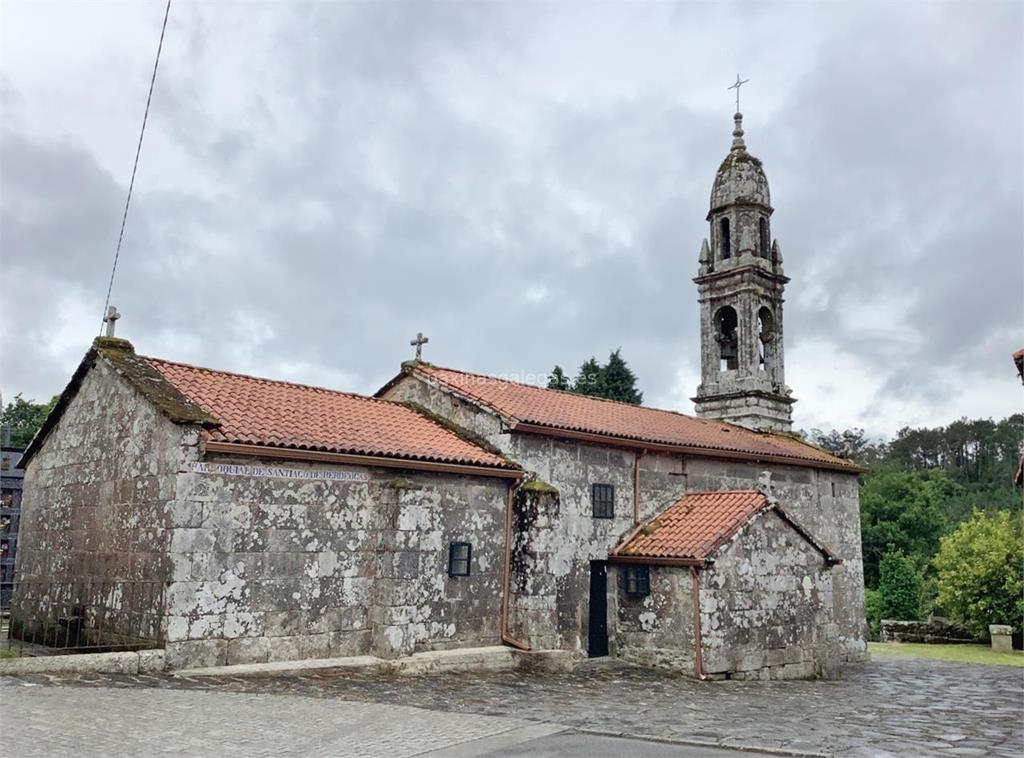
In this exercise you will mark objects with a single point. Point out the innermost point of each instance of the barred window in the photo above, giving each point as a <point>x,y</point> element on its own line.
<point>602,497</point>
<point>637,581</point>
<point>459,557</point>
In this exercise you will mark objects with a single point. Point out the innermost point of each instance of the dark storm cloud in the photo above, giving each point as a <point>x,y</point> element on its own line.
<point>324,181</point>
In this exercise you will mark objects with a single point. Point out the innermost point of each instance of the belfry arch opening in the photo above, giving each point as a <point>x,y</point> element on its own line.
<point>765,338</point>
<point>726,237</point>
<point>726,323</point>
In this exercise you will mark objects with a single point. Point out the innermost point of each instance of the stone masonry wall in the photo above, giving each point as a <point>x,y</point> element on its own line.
<point>233,569</point>
<point>766,606</point>
<point>97,516</point>
<point>656,630</point>
<point>825,502</point>
<point>278,569</point>
<point>827,505</point>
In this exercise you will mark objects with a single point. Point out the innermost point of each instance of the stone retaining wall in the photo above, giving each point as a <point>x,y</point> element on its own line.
<point>935,630</point>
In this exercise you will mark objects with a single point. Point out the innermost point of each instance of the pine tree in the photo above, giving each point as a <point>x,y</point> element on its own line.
<point>620,381</point>
<point>590,379</point>
<point>557,380</point>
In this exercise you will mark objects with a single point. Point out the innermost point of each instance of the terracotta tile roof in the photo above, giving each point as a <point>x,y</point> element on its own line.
<point>281,414</point>
<point>558,410</point>
<point>693,527</point>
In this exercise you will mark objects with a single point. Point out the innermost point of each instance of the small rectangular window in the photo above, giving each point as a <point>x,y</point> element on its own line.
<point>459,556</point>
<point>602,497</point>
<point>637,580</point>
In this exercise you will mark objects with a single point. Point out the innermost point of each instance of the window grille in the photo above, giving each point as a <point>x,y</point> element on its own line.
<point>638,581</point>
<point>602,497</point>
<point>460,555</point>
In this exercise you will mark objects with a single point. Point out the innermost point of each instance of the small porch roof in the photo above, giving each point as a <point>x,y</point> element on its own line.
<point>691,530</point>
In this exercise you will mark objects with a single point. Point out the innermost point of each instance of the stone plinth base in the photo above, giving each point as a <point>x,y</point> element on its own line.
<point>1002,638</point>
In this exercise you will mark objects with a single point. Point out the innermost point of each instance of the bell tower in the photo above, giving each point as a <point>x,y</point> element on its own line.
<point>740,285</point>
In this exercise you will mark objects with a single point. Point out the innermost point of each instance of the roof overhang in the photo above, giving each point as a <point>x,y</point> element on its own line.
<point>704,452</point>
<point>352,459</point>
<point>638,560</point>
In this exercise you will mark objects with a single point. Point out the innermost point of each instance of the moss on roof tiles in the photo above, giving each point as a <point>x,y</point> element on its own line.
<point>167,398</point>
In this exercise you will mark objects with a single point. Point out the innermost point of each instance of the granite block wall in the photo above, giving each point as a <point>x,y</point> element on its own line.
<point>96,523</point>
<point>564,539</point>
<point>229,560</point>
<point>280,569</point>
<point>767,606</point>
<point>656,630</point>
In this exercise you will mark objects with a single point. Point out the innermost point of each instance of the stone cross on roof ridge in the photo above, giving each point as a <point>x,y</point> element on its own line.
<point>110,320</point>
<point>418,343</point>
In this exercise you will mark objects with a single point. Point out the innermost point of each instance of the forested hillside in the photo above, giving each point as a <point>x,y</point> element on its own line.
<point>933,483</point>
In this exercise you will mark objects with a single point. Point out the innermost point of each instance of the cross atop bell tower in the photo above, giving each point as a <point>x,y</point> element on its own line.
<point>740,285</point>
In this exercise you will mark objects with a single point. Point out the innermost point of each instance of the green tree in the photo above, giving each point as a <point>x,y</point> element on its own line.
<point>590,379</point>
<point>24,417</point>
<point>981,571</point>
<point>899,588</point>
<point>620,381</point>
<point>852,444</point>
<point>902,511</point>
<point>557,380</point>
<point>612,381</point>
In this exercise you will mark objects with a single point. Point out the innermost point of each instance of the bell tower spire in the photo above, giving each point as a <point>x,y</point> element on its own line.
<point>740,285</point>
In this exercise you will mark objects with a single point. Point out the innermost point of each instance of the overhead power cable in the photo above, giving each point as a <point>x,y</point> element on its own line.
<point>135,166</point>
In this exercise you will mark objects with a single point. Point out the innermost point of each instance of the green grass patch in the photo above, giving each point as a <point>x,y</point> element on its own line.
<point>8,654</point>
<point>982,654</point>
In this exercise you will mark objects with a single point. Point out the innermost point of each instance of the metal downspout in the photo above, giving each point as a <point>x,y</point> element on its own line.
<point>636,485</point>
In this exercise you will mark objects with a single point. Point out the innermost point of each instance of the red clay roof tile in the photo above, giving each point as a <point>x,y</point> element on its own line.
<point>281,414</point>
<point>555,409</point>
<point>693,527</point>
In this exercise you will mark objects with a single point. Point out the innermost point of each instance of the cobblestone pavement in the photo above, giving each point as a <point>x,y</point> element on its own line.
<point>888,707</point>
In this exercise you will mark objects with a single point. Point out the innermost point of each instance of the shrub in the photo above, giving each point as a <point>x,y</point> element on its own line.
<point>981,571</point>
<point>899,588</point>
<point>873,612</point>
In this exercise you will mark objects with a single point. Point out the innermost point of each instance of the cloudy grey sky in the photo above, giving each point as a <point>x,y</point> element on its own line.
<point>524,182</point>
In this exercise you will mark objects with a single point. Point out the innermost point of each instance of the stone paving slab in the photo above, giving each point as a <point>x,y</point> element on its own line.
<point>39,721</point>
<point>886,707</point>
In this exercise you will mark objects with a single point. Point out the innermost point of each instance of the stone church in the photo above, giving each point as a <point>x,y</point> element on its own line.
<point>232,519</point>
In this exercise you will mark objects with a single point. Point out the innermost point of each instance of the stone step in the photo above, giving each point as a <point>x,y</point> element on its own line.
<point>492,658</point>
